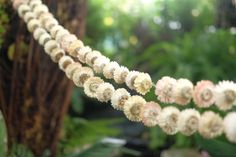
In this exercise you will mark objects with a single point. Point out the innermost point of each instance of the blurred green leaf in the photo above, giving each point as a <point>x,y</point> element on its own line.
<point>77,101</point>
<point>79,132</point>
<point>19,150</point>
<point>157,138</point>
<point>3,136</point>
<point>99,150</point>
<point>217,147</point>
<point>182,141</point>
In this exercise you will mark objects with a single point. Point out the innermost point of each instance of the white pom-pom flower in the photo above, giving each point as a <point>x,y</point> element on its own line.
<point>120,74</point>
<point>104,92</point>
<point>55,29</point>
<point>188,121</point>
<point>57,54</point>
<point>46,18</point>
<point>168,120</point>
<point>108,70</point>
<point>39,9</point>
<point>28,16</point>
<point>91,85</point>
<point>211,125</point>
<point>74,47</point>
<point>183,91</point>
<point>204,95</point>
<point>133,107</point>
<point>225,95</point>
<point>17,3</point>
<point>70,69</point>
<point>91,56</point>
<point>130,79</point>
<point>44,38</point>
<point>50,45</point>
<point>34,3</point>
<point>100,63</point>
<point>60,34</point>
<point>38,32</point>
<point>150,113</point>
<point>81,75</point>
<point>66,40</point>
<point>165,89</point>
<point>23,9</point>
<point>64,62</point>
<point>32,25</point>
<point>143,83</point>
<point>83,52</point>
<point>50,23</point>
<point>230,127</point>
<point>119,97</point>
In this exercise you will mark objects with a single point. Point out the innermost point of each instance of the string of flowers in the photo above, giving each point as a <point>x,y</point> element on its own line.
<point>168,90</point>
<point>139,81</point>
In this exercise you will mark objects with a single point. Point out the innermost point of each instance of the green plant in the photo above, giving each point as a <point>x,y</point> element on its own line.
<point>3,21</point>
<point>79,132</point>
<point>3,136</point>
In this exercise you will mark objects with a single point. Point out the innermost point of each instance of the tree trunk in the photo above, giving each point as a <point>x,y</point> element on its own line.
<point>225,13</point>
<point>34,93</point>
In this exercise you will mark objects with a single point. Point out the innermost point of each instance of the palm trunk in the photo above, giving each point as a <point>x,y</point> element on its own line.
<point>34,93</point>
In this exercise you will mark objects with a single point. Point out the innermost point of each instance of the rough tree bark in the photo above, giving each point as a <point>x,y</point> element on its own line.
<point>34,93</point>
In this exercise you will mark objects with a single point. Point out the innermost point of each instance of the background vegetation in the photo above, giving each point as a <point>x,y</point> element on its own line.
<point>195,39</point>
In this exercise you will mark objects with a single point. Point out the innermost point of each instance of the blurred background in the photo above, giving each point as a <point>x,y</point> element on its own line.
<point>194,39</point>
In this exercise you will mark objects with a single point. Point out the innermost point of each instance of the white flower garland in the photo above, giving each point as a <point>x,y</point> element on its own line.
<point>168,90</point>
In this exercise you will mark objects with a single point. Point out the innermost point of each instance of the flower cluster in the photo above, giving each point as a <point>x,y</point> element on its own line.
<point>204,94</point>
<point>230,126</point>
<point>188,121</point>
<point>150,113</point>
<point>75,47</point>
<point>168,90</point>
<point>59,41</point>
<point>211,125</point>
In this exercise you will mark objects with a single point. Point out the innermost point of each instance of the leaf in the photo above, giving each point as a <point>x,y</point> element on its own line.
<point>10,52</point>
<point>157,138</point>
<point>87,132</point>
<point>3,136</point>
<point>99,150</point>
<point>182,141</point>
<point>77,101</point>
<point>217,147</point>
<point>180,152</point>
<point>19,150</point>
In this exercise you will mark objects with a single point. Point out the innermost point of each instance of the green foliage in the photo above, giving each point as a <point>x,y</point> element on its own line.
<point>192,14</point>
<point>217,147</point>
<point>101,149</point>
<point>98,150</point>
<point>17,149</point>
<point>80,132</point>
<point>182,141</point>
<point>157,138</point>
<point>192,58</point>
<point>77,101</point>
<point>21,45</point>
<point>3,136</point>
<point>3,21</point>
<point>20,151</point>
